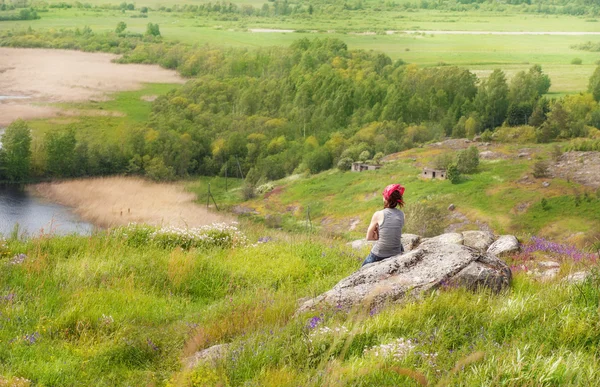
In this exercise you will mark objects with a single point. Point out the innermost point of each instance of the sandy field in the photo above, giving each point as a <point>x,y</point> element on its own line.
<point>47,76</point>
<point>113,201</point>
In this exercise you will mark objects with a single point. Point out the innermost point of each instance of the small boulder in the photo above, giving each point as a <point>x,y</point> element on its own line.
<point>548,265</point>
<point>505,244</point>
<point>451,207</point>
<point>480,240</point>
<point>545,184</point>
<point>212,354</point>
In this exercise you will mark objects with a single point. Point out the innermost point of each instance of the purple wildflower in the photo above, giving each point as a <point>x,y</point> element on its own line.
<point>18,259</point>
<point>32,338</point>
<point>314,322</point>
<point>544,245</point>
<point>265,239</point>
<point>9,297</point>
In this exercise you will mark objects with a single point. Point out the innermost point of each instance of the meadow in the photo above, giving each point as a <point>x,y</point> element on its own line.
<point>481,53</point>
<point>502,195</point>
<point>117,308</point>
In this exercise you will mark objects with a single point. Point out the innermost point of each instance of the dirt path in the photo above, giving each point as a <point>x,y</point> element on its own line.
<point>115,201</point>
<point>47,76</point>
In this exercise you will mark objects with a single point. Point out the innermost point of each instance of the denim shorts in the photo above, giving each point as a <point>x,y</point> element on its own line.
<point>372,258</point>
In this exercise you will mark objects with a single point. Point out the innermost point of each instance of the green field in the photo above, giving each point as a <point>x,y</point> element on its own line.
<point>481,53</point>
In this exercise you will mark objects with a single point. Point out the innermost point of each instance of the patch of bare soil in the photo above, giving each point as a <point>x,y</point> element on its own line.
<point>116,201</point>
<point>49,76</point>
<point>582,167</point>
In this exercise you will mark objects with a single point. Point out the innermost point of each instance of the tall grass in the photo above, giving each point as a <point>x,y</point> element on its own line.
<point>113,201</point>
<point>117,309</point>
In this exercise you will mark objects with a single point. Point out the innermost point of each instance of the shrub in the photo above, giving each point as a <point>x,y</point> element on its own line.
<point>248,191</point>
<point>486,136</point>
<point>453,174</point>
<point>467,160</point>
<point>516,134</point>
<point>264,188</point>
<point>576,61</point>
<point>541,169</point>
<point>344,164</point>
<point>364,156</point>
<point>423,219</point>
<point>443,160</point>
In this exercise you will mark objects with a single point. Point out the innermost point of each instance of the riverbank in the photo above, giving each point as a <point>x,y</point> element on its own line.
<point>114,201</point>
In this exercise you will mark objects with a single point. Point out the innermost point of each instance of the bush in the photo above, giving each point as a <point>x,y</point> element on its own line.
<point>364,156</point>
<point>486,136</point>
<point>516,134</point>
<point>264,188</point>
<point>541,169</point>
<point>248,191</point>
<point>576,61</point>
<point>453,174</point>
<point>318,160</point>
<point>423,219</point>
<point>443,160</point>
<point>467,160</point>
<point>344,164</point>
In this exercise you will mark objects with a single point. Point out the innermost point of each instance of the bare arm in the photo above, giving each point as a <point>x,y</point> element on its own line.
<point>373,230</point>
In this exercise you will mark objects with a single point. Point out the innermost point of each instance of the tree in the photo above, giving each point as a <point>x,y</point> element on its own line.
<point>467,160</point>
<point>60,153</point>
<point>152,29</point>
<point>594,85</point>
<point>344,164</point>
<point>16,151</point>
<point>491,101</point>
<point>121,27</point>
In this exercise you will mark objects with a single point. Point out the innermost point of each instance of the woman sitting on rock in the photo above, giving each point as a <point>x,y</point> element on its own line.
<point>386,226</point>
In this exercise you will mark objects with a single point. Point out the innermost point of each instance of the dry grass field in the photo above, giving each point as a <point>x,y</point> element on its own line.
<point>50,76</point>
<point>116,201</point>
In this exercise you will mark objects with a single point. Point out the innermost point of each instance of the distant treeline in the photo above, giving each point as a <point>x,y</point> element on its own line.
<point>275,111</point>
<point>22,14</point>
<point>225,10</point>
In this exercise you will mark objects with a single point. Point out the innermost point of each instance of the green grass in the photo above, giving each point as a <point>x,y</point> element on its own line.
<point>481,53</point>
<point>105,310</point>
<point>129,108</point>
<point>495,195</point>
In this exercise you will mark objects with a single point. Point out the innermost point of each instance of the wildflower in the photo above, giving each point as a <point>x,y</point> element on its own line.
<point>313,322</point>
<point>31,338</point>
<point>397,349</point>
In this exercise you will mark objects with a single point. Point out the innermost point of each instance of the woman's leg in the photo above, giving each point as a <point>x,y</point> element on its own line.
<point>371,258</point>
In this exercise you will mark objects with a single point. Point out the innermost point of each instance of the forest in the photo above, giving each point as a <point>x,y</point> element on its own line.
<point>270,112</point>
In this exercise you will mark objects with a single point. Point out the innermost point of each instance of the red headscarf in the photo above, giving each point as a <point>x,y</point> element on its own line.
<point>387,192</point>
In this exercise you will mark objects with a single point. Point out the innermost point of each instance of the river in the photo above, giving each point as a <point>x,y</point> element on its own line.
<point>34,216</point>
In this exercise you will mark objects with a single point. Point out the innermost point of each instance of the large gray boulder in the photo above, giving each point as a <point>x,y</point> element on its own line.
<point>425,268</point>
<point>505,244</point>
<point>448,238</point>
<point>480,240</point>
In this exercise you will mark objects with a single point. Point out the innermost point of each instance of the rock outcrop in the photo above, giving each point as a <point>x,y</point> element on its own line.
<point>439,261</point>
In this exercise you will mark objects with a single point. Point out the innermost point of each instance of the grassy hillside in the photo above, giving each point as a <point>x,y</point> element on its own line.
<point>502,195</point>
<point>123,308</point>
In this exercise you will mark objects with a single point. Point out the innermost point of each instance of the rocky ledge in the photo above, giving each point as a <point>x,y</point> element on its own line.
<point>469,259</point>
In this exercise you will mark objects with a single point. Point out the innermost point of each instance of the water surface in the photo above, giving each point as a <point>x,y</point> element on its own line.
<point>34,216</point>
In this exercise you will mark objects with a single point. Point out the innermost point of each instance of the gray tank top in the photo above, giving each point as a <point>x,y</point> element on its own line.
<point>390,234</point>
